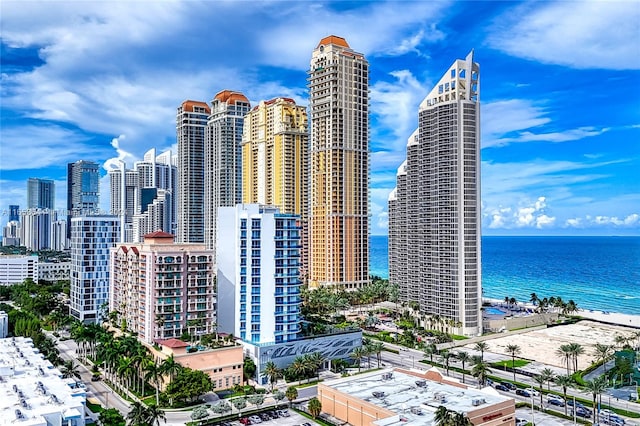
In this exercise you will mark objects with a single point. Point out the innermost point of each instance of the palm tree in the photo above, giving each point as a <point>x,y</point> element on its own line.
<point>564,382</point>
<point>69,369</point>
<point>298,367</point>
<point>482,346</point>
<point>138,414</point>
<point>481,370</point>
<point>442,417</point>
<point>534,299</point>
<point>464,358</point>
<point>575,349</point>
<point>446,357</point>
<point>291,393</point>
<point>603,352</point>
<point>357,354</point>
<point>153,374</point>
<point>430,350</point>
<point>620,340</point>
<point>540,381</point>
<point>513,350</point>
<point>596,387</point>
<point>171,367</point>
<point>317,360</point>
<point>314,406</point>
<point>272,372</point>
<point>548,375</point>
<point>154,415</point>
<point>564,352</point>
<point>377,349</point>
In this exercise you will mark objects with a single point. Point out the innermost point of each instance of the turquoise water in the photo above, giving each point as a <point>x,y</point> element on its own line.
<point>600,273</point>
<point>494,311</point>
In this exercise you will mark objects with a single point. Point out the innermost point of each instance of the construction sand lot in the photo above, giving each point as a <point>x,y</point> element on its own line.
<point>541,345</point>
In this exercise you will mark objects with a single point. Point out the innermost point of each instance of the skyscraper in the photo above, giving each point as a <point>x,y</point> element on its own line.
<point>191,122</point>
<point>339,193</point>
<point>434,211</point>
<point>41,194</point>
<point>83,190</point>
<point>91,239</point>
<point>223,158</point>
<point>14,213</point>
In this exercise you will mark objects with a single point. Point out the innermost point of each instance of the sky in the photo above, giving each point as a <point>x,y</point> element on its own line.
<point>559,91</point>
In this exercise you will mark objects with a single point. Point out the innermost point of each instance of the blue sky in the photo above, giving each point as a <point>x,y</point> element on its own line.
<point>560,91</point>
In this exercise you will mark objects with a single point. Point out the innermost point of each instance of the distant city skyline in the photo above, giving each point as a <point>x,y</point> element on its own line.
<point>560,152</point>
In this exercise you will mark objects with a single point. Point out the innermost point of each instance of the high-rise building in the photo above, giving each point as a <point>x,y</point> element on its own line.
<point>275,155</point>
<point>258,276</point>
<point>35,228</point>
<point>163,289</point>
<point>434,211</point>
<point>91,239</point>
<point>223,158</point>
<point>191,123</point>
<point>14,213</point>
<point>83,190</point>
<point>152,181</point>
<point>41,194</point>
<point>339,169</point>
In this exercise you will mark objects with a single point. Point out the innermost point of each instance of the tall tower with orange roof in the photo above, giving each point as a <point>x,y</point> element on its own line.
<point>339,168</point>
<point>223,158</point>
<point>191,123</point>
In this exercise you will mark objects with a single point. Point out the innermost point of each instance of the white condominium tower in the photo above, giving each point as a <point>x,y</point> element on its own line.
<point>434,211</point>
<point>223,158</point>
<point>191,122</point>
<point>339,169</point>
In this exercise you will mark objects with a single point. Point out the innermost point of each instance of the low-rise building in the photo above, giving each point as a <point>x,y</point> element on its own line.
<point>54,271</point>
<point>33,390</point>
<point>16,268</point>
<point>395,397</point>
<point>223,364</point>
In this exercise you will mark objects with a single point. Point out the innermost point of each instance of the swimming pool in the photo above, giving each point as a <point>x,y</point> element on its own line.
<point>494,311</point>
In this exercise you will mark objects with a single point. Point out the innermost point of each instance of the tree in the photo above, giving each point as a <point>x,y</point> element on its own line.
<point>596,387</point>
<point>540,381</point>
<point>170,367</point>
<point>239,402</point>
<point>200,412</point>
<point>153,374</point>
<point>291,394</point>
<point>256,399</point>
<point>154,415</point>
<point>564,382</point>
<point>464,358</point>
<point>315,407</point>
<point>603,352</point>
<point>480,370</point>
<point>188,385</point>
<point>548,375</point>
<point>446,357</point>
<point>69,369</point>
<point>564,352</point>
<point>443,416</point>
<point>430,350</point>
<point>575,349</point>
<point>111,417</point>
<point>513,351</point>
<point>221,407</point>
<point>377,348</point>
<point>137,415</point>
<point>272,372</point>
<point>481,346</point>
<point>249,369</point>
<point>357,354</point>
<point>278,396</point>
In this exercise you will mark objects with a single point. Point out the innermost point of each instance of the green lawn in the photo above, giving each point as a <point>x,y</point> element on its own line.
<point>509,363</point>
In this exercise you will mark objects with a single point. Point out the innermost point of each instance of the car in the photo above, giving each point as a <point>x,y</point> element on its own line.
<point>283,413</point>
<point>612,420</point>
<point>582,412</point>
<point>521,422</point>
<point>532,391</point>
<point>556,401</point>
<point>523,392</point>
<point>502,387</point>
<point>571,402</point>
<point>96,378</point>
<point>255,419</point>
<point>509,385</point>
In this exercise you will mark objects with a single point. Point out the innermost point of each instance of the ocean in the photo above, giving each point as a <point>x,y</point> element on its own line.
<point>599,273</point>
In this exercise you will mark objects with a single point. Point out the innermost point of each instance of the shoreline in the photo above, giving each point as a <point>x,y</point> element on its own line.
<point>607,317</point>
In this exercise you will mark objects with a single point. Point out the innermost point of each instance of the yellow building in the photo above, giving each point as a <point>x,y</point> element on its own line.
<point>339,167</point>
<point>274,159</point>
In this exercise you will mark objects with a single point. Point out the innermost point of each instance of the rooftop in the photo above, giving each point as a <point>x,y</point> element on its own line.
<point>415,395</point>
<point>33,387</point>
<point>332,39</point>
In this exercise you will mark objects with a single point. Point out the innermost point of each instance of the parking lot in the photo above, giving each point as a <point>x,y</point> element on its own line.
<point>293,419</point>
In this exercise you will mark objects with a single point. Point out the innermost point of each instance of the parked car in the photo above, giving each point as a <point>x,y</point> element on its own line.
<point>523,392</point>
<point>612,420</point>
<point>509,385</point>
<point>521,422</point>
<point>283,413</point>
<point>255,419</point>
<point>532,391</point>
<point>502,387</point>
<point>570,403</point>
<point>556,401</point>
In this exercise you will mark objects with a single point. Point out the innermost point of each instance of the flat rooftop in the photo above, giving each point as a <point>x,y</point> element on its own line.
<point>412,396</point>
<point>33,390</point>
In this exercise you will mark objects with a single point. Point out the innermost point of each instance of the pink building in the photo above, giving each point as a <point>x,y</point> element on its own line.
<point>161,289</point>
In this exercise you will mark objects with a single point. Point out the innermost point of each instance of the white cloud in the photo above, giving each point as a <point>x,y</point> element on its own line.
<point>596,34</point>
<point>529,214</point>
<point>630,221</point>
<point>509,121</point>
